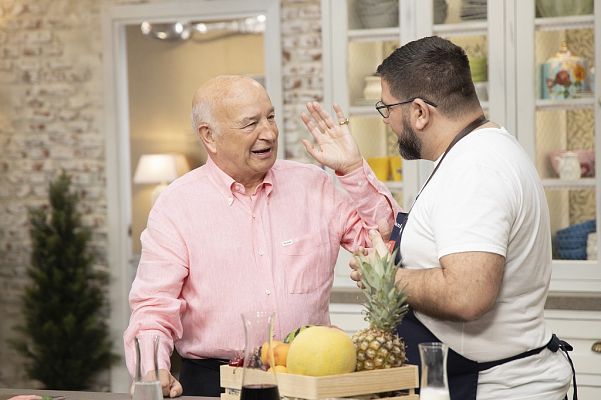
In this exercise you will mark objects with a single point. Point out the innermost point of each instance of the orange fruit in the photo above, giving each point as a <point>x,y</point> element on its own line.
<point>265,356</point>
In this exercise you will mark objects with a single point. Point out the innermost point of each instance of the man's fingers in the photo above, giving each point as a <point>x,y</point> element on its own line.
<point>313,152</point>
<point>385,229</point>
<point>165,378</point>
<point>176,389</point>
<point>311,126</point>
<point>378,243</point>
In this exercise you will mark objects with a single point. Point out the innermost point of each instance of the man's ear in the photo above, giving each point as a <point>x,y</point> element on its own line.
<point>421,113</point>
<point>206,134</point>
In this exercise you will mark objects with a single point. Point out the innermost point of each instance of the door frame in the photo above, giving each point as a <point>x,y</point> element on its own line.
<point>115,18</point>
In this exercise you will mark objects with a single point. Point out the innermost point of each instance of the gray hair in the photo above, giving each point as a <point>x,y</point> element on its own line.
<point>202,113</point>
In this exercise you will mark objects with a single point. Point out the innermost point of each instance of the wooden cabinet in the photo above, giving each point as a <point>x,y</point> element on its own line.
<point>507,42</point>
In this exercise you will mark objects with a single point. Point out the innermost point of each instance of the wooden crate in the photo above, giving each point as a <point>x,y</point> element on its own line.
<point>364,384</point>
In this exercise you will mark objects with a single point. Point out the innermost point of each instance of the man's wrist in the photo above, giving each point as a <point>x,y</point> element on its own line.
<point>350,168</point>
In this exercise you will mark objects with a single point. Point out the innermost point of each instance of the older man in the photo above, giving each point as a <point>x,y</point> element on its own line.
<point>246,232</point>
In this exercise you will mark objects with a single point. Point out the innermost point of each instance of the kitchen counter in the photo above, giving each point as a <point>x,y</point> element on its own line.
<point>564,301</point>
<point>8,393</point>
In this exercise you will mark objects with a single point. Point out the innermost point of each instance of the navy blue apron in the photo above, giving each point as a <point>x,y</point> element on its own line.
<point>462,372</point>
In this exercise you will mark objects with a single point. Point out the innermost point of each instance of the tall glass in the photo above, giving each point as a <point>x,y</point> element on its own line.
<point>146,382</point>
<point>257,383</point>
<point>434,385</point>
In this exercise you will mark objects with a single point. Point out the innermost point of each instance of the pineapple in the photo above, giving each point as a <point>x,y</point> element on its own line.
<point>379,346</point>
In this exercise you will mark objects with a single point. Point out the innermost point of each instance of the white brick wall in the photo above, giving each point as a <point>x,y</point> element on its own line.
<point>50,118</point>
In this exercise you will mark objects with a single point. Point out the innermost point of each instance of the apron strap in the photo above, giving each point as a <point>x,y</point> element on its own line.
<point>557,344</point>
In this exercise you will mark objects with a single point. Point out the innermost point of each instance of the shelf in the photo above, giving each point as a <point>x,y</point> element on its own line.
<point>366,110</point>
<point>551,104</point>
<point>373,35</point>
<point>561,23</point>
<point>578,184</point>
<point>394,186</point>
<point>471,28</point>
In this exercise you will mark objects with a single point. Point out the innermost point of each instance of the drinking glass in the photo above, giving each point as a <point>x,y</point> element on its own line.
<point>434,385</point>
<point>146,382</point>
<point>257,382</point>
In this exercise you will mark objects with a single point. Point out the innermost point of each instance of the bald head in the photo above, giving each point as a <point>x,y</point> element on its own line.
<point>215,92</point>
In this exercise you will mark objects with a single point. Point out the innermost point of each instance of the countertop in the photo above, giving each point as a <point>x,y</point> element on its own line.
<point>563,301</point>
<point>8,393</point>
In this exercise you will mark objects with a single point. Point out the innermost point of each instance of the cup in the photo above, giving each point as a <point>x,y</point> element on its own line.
<point>380,166</point>
<point>258,355</point>
<point>434,385</point>
<point>146,381</point>
<point>396,168</point>
<point>569,166</point>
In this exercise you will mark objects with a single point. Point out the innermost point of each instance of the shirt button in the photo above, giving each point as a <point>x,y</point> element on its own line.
<point>254,216</point>
<point>267,292</point>
<point>260,252</point>
<point>230,200</point>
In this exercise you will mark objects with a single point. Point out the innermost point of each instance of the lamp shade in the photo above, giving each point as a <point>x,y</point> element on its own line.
<point>160,168</point>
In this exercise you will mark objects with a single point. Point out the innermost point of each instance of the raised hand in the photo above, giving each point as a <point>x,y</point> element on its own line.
<point>334,146</point>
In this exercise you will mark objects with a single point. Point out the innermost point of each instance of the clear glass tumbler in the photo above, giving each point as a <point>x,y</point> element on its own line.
<point>257,382</point>
<point>146,382</point>
<point>434,385</point>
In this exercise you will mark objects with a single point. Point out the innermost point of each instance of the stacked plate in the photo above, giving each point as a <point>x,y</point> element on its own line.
<point>473,9</point>
<point>571,242</point>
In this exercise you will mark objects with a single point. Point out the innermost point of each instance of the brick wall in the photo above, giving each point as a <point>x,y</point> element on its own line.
<point>50,119</point>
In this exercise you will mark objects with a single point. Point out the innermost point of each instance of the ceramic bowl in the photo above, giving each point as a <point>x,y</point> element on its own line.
<point>561,8</point>
<point>378,14</point>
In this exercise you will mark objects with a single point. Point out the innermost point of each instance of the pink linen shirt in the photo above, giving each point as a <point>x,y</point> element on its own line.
<point>211,252</point>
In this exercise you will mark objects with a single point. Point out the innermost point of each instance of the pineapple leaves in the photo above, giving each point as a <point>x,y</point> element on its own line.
<point>385,304</point>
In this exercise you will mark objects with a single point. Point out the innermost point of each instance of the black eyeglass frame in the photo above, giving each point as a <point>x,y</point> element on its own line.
<point>380,105</point>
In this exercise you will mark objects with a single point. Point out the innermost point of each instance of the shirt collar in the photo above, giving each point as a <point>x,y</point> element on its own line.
<point>227,185</point>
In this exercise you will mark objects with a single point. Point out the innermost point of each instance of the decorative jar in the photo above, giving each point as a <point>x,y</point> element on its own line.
<point>564,75</point>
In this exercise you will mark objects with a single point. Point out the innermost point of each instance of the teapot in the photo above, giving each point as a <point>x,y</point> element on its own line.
<point>569,166</point>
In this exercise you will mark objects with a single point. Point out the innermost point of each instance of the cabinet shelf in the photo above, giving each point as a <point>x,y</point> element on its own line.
<point>373,35</point>
<point>363,110</point>
<point>394,186</point>
<point>561,23</point>
<point>471,28</point>
<point>551,104</point>
<point>562,184</point>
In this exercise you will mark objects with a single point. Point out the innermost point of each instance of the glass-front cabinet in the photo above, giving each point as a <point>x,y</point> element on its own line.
<point>558,107</point>
<point>533,64</point>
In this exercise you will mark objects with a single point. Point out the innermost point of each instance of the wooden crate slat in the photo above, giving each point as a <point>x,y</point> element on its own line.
<point>343,385</point>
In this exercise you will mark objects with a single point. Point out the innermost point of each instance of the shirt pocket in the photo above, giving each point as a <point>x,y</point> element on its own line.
<point>305,263</point>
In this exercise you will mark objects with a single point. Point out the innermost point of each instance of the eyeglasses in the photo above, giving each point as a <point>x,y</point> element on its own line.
<point>384,109</point>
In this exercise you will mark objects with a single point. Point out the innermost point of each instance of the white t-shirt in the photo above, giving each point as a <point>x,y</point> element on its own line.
<point>487,196</point>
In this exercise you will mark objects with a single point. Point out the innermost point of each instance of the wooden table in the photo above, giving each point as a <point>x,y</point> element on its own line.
<point>8,393</point>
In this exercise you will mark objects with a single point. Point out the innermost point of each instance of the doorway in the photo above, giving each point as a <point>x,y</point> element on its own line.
<point>148,88</point>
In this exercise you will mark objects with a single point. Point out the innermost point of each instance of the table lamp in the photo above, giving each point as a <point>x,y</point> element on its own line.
<point>159,169</point>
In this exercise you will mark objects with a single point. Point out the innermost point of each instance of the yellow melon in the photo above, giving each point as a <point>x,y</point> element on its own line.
<point>321,350</point>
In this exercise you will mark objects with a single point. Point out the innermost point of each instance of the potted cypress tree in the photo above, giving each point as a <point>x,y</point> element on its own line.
<point>63,337</point>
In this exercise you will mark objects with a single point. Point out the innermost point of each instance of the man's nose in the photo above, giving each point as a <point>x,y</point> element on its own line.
<point>269,130</point>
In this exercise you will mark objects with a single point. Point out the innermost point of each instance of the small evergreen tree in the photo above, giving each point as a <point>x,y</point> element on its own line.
<point>64,337</point>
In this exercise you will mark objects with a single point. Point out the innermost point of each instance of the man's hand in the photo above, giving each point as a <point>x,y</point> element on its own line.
<point>378,246</point>
<point>169,385</point>
<point>334,146</point>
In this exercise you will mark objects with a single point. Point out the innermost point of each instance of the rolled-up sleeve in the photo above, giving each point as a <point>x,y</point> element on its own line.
<point>154,298</point>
